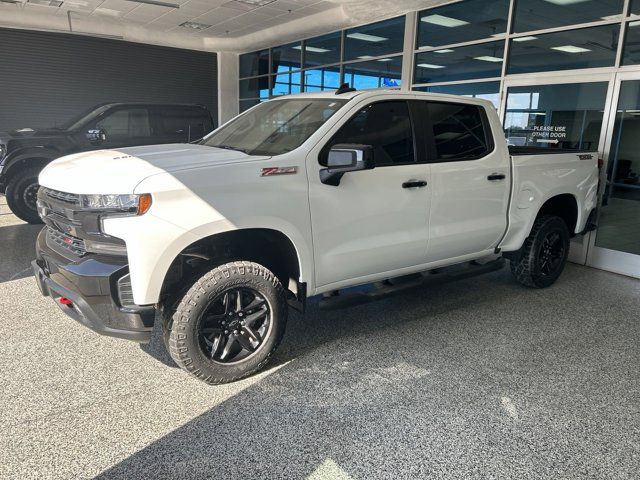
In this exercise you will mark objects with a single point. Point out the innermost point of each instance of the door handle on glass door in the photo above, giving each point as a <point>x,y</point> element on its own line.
<point>496,176</point>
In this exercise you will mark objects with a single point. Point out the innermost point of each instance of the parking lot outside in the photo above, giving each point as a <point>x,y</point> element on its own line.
<point>475,379</point>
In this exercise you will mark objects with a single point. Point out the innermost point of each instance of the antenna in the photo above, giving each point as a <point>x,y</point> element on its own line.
<point>345,88</point>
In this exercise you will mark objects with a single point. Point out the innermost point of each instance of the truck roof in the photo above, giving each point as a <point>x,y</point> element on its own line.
<point>385,91</point>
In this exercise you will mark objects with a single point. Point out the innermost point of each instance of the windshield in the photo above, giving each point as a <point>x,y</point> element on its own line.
<point>79,120</point>
<point>275,127</point>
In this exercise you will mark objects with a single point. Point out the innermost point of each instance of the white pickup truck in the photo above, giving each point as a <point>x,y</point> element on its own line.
<point>299,196</point>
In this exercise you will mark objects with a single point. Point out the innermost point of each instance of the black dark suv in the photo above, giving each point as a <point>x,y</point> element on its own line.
<point>25,152</point>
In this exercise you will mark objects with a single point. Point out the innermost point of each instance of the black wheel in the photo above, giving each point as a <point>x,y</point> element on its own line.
<point>544,253</point>
<point>22,194</point>
<point>229,323</point>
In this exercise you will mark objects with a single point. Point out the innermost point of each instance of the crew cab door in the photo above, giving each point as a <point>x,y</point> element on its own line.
<point>125,126</point>
<point>373,221</point>
<point>470,179</point>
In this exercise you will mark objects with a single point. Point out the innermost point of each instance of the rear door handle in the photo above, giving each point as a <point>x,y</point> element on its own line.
<point>496,176</point>
<point>414,184</point>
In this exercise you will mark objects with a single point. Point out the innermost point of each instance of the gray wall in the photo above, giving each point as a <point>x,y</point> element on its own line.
<point>47,78</point>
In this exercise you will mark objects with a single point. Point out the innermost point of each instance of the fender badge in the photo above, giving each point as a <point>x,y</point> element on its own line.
<point>585,157</point>
<point>271,171</point>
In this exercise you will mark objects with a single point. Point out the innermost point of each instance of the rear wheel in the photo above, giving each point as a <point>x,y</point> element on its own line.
<point>544,253</point>
<point>22,195</point>
<point>229,323</point>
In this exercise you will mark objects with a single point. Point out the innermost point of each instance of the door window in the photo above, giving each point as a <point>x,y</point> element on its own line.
<point>386,126</point>
<point>459,131</point>
<point>129,123</point>
<point>189,123</point>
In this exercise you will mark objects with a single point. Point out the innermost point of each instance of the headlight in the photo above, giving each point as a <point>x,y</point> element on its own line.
<point>126,204</point>
<point>3,151</point>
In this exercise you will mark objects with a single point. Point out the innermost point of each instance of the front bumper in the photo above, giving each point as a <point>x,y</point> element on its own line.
<point>90,283</point>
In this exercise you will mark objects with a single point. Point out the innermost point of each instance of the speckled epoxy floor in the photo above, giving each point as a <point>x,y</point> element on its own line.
<point>475,379</point>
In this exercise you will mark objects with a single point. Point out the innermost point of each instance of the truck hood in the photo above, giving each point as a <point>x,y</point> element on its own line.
<point>119,171</point>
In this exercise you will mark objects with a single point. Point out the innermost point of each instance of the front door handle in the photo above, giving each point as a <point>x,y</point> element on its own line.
<point>414,184</point>
<point>496,176</point>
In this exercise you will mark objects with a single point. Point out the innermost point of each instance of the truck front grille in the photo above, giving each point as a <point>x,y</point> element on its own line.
<point>67,242</point>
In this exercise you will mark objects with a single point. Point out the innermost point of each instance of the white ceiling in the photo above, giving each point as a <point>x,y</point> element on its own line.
<point>235,26</point>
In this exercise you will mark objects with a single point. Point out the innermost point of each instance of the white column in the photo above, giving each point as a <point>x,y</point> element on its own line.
<point>409,47</point>
<point>228,93</point>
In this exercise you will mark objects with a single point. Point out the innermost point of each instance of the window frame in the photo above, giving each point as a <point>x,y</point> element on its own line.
<point>417,154</point>
<point>432,153</point>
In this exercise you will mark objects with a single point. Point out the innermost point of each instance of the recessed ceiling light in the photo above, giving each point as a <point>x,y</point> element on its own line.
<point>366,38</point>
<point>570,49</point>
<point>617,16</point>
<point>156,3</point>
<point>108,12</point>
<point>385,60</point>
<point>255,3</point>
<point>566,2</point>
<point>429,65</point>
<point>195,25</point>
<point>443,21</point>
<point>309,48</point>
<point>528,38</point>
<point>444,50</point>
<point>488,58</point>
<point>634,24</point>
<point>365,57</point>
<point>46,3</point>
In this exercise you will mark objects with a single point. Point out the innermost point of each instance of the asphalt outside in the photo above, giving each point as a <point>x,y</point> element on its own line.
<point>481,378</point>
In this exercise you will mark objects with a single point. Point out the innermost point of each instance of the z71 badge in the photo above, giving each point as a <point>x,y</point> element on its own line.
<point>271,171</point>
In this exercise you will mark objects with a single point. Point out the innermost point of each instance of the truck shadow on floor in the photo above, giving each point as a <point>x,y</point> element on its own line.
<point>17,250</point>
<point>424,384</point>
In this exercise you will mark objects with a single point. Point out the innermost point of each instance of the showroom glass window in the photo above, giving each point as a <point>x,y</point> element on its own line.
<point>556,116</point>
<point>256,88</point>
<point>631,52</point>
<point>321,79</point>
<point>462,22</point>
<point>374,40</point>
<point>531,15</point>
<point>484,90</point>
<point>380,73</point>
<point>323,50</point>
<point>386,126</point>
<point>254,64</point>
<point>476,61</point>
<point>567,50</point>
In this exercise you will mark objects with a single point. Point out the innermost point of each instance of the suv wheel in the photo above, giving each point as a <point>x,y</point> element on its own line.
<point>544,253</point>
<point>229,323</point>
<point>22,194</point>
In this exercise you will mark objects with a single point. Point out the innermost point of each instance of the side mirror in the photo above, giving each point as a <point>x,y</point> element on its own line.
<point>96,136</point>
<point>342,159</point>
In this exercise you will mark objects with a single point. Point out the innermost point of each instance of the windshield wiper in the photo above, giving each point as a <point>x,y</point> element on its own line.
<point>229,147</point>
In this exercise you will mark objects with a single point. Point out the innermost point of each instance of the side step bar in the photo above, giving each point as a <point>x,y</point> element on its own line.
<point>359,295</point>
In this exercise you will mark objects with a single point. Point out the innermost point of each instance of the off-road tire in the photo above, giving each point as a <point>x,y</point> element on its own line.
<point>184,338</point>
<point>15,192</point>
<point>525,266</point>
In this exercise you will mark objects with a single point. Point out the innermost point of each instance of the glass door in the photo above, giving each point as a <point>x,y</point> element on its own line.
<point>615,245</point>
<point>552,113</point>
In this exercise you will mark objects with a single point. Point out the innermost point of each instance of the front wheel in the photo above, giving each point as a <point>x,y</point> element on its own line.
<point>544,253</point>
<point>229,323</point>
<point>22,195</point>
